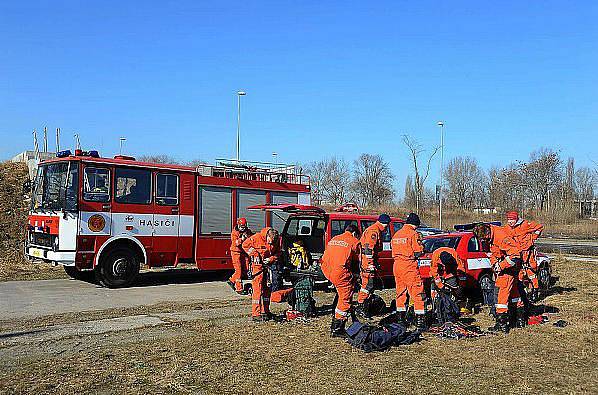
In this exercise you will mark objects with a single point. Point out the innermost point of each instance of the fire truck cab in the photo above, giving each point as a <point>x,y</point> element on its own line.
<point>117,216</point>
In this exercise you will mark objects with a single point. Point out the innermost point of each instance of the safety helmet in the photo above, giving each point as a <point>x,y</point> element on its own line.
<point>242,221</point>
<point>384,219</point>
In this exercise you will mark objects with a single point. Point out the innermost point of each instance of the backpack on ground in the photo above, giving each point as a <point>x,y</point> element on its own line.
<point>370,338</point>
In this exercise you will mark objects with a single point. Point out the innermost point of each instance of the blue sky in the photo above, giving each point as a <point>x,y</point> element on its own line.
<point>322,78</point>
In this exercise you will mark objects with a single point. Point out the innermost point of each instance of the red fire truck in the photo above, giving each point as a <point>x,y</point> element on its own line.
<point>116,216</point>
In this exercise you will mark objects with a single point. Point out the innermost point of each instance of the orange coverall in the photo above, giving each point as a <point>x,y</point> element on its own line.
<point>525,234</point>
<point>238,256</point>
<point>435,262</point>
<point>262,254</point>
<point>336,266</point>
<point>371,245</point>
<point>405,244</point>
<point>503,248</point>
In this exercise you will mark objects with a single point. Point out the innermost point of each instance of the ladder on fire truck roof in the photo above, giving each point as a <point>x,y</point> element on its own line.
<point>254,171</point>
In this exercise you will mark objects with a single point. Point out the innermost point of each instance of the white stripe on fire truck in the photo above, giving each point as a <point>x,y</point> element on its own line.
<point>141,224</point>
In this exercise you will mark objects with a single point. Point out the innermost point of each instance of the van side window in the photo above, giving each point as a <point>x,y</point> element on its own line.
<point>338,226</point>
<point>96,184</point>
<point>386,235</point>
<point>473,245</point>
<point>133,186</point>
<point>167,189</point>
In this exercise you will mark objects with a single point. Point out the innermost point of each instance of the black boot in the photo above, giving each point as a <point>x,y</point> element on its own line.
<point>398,317</point>
<point>363,309</point>
<point>502,323</point>
<point>420,323</point>
<point>337,328</point>
<point>521,319</point>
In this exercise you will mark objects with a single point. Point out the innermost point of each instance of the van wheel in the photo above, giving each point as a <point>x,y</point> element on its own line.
<point>487,287</point>
<point>544,277</point>
<point>118,269</point>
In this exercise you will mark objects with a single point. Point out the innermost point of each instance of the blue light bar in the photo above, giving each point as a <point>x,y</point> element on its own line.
<point>464,227</point>
<point>63,154</point>
<point>94,154</point>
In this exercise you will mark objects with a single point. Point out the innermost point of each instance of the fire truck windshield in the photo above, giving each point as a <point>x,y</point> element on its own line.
<point>56,186</point>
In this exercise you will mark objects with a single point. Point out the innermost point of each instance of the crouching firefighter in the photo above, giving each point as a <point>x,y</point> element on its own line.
<point>406,247</point>
<point>263,249</point>
<point>446,290</point>
<point>506,263</point>
<point>240,259</point>
<point>371,245</point>
<point>341,253</point>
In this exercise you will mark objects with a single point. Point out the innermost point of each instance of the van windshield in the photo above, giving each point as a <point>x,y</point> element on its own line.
<point>310,230</point>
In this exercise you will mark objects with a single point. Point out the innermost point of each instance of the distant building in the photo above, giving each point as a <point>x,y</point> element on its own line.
<point>485,210</point>
<point>28,157</point>
<point>587,208</point>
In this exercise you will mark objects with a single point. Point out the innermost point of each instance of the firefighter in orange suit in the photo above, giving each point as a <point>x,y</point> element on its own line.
<point>525,234</point>
<point>444,272</point>
<point>371,245</point>
<point>406,247</point>
<point>506,263</point>
<point>263,249</point>
<point>240,259</point>
<point>340,253</point>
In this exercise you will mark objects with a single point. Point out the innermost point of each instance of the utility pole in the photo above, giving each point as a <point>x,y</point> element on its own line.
<point>239,94</point>
<point>441,192</point>
<point>77,141</point>
<point>57,139</point>
<point>35,145</point>
<point>121,141</point>
<point>45,139</point>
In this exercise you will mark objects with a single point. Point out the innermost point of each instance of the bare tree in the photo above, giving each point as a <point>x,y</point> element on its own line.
<point>409,192</point>
<point>466,182</point>
<point>585,183</point>
<point>544,173</point>
<point>420,177</point>
<point>330,181</point>
<point>158,159</point>
<point>196,162</point>
<point>372,180</point>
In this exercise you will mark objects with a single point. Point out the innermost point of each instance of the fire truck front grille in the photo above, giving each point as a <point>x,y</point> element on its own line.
<point>42,239</point>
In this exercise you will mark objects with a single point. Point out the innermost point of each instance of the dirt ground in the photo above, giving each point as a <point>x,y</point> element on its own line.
<point>225,353</point>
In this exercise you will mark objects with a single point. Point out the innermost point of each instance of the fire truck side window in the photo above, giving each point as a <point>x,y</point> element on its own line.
<point>167,189</point>
<point>133,186</point>
<point>96,184</point>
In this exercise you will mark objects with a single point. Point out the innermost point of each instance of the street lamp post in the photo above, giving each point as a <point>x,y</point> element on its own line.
<point>441,192</point>
<point>239,94</point>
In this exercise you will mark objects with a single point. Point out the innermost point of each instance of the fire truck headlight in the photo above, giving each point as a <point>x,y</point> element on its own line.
<point>55,245</point>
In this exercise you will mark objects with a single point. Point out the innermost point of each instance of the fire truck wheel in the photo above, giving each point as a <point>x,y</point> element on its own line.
<point>118,269</point>
<point>73,272</point>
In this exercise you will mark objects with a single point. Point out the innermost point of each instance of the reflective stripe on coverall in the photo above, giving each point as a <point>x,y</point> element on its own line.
<point>371,245</point>
<point>239,257</point>
<point>405,243</point>
<point>336,266</point>
<point>503,248</point>
<point>261,254</point>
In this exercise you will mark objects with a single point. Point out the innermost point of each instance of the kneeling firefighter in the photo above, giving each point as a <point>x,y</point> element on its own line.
<point>506,263</point>
<point>371,245</point>
<point>341,252</point>
<point>263,249</point>
<point>446,290</point>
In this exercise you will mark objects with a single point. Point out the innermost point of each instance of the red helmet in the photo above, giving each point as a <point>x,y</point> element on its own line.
<point>242,221</point>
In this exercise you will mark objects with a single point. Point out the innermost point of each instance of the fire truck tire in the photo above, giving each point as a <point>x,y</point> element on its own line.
<point>72,272</point>
<point>118,268</point>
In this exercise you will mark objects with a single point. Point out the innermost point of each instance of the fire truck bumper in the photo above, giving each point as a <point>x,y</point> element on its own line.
<point>61,257</point>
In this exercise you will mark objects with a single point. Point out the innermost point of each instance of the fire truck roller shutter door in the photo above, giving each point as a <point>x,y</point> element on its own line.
<point>256,219</point>
<point>216,210</point>
<point>304,198</point>
<point>279,219</point>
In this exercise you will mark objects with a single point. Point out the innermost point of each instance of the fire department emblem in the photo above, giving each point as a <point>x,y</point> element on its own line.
<point>96,223</point>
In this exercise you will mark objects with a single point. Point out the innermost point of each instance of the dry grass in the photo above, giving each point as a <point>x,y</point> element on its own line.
<point>238,357</point>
